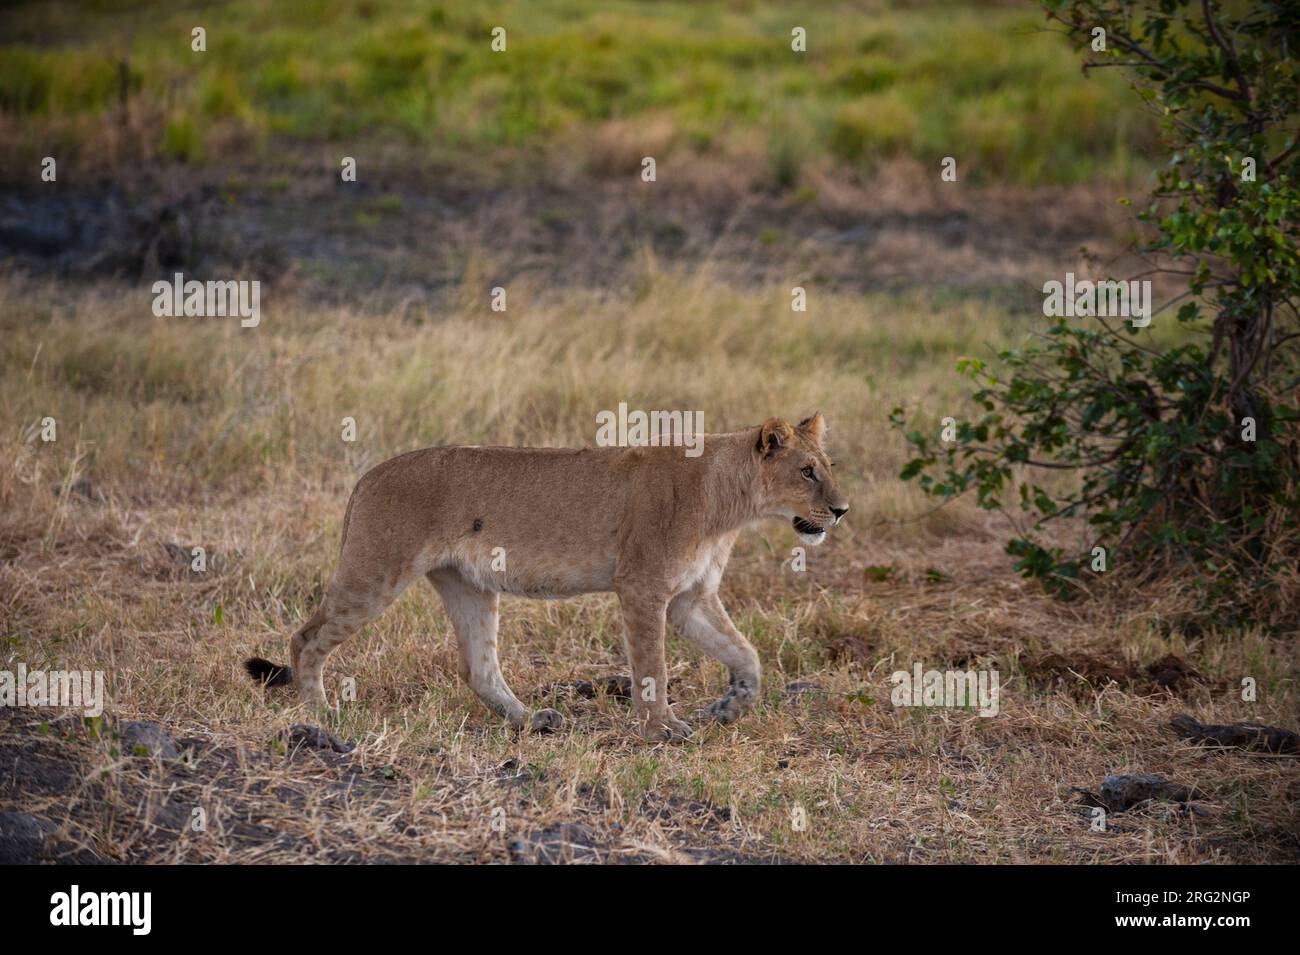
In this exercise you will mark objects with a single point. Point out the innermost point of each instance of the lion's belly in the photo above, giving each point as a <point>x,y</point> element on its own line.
<point>529,570</point>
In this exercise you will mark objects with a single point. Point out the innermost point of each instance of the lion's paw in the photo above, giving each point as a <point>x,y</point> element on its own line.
<point>725,710</point>
<point>546,721</point>
<point>665,729</point>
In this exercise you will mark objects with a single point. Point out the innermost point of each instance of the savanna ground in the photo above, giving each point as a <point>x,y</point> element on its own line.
<point>521,171</point>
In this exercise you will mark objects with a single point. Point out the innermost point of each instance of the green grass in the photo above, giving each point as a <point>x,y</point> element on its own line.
<point>977,81</point>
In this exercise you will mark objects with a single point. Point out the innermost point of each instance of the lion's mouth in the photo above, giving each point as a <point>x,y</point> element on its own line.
<point>807,527</point>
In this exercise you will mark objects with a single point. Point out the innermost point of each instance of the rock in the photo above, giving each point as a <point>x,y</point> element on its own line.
<point>1123,791</point>
<point>22,837</point>
<point>300,734</point>
<point>146,738</point>
<point>555,845</point>
<point>1171,672</point>
<point>1053,668</point>
<point>1247,736</point>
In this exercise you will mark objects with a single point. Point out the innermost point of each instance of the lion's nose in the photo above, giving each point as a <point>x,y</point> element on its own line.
<point>839,512</point>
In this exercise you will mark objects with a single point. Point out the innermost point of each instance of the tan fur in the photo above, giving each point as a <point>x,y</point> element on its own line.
<point>651,524</point>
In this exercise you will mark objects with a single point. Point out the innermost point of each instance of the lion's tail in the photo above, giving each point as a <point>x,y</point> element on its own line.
<point>267,673</point>
<point>274,674</point>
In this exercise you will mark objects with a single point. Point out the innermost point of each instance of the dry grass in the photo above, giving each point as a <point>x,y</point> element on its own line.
<point>194,431</point>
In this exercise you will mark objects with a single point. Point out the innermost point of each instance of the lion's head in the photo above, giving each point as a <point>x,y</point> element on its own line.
<point>796,479</point>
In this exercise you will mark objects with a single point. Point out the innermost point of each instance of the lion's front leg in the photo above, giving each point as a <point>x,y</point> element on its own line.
<point>643,637</point>
<point>701,619</point>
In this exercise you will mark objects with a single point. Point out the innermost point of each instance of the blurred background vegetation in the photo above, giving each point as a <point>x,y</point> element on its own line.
<point>879,79</point>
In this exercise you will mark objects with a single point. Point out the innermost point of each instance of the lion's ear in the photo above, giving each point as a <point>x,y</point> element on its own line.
<point>814,427</point>
<point>773,436</point>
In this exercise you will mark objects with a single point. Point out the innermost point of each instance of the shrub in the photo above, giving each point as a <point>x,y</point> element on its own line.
<point>1185,446</point>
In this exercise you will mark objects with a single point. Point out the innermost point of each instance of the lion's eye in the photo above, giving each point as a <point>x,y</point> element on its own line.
<point>810,473</point>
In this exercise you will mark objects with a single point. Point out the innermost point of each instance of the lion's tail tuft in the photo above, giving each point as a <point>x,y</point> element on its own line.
<point>268,673</point>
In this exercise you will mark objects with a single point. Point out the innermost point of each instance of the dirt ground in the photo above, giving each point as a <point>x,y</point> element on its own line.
<point>406,237</point>
<point>826,770</point>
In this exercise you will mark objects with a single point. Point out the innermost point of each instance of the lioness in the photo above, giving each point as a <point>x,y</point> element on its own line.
<point>649,523</point>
